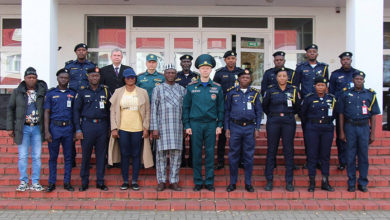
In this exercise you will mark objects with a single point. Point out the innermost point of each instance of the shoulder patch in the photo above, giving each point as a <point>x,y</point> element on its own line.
<point>371,90</point>
<point>216,83</point>
<point>309,94</point>
<point>70,61</point>
<point>331,95</point>
<point>193,82</point>
<point>254,89</point>
<point>230,88</point>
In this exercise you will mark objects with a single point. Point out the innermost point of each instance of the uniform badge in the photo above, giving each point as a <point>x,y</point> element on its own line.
<point>213,96</point>
<point>178,79</point>
<point>82,87</point>
<point>340,77</point>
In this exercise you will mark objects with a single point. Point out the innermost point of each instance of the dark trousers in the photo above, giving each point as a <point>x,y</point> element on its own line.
<point>221,147</point>
<point>357,146</point>
<point>95,134</point>
<point>319,138</point>
<point>203,133</point>
<point>242,140</point>
<point>280,127</point>
<point>341,145</point>
<point>130,146</point>
<point>64,136</point>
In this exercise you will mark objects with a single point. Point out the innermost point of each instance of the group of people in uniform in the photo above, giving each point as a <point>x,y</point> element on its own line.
<point>101,106</point>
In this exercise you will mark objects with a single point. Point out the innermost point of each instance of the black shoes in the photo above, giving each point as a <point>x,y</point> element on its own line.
<point>325,184</point>
<point>197,188</point>
<point>68,187</point>
<point>351,189</point>
<point>102,187</point>
<point>83,188</point>
<point>269,186</point>
<point>290,187</point>
<point>341,167</point>
<point>210,187</point>
<point>135,186</point>
<point>249,188</point>
<point>231,187</point>
<point>73,164</point>
<point>51,188</point>
<point>312,183</point>
<point>219,166</point>
<point>125,186</point>
<point>362,188</point>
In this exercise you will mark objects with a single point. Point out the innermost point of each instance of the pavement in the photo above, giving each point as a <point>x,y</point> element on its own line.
<point>205,215</point>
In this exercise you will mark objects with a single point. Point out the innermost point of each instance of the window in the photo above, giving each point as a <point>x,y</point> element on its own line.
<point>386,73</point>
<point>10,51</point>
<point>292,35</point>
<point>231,22</point>
<point>105,33</point>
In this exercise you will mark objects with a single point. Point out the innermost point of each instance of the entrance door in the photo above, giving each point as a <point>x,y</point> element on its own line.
<point>253,50</point>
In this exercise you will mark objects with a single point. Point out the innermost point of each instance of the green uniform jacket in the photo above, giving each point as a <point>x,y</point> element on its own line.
<point>148,81</point>
<point>203,104</point>
<point>16,111</point>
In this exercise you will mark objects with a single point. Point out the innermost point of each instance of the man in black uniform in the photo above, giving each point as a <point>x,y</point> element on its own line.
<point>184,77</point>
<point>226,76</point>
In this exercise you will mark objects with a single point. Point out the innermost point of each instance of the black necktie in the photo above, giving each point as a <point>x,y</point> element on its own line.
<point>116,71</point>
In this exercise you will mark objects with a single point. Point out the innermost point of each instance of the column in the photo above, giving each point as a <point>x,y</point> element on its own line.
<point>365,41</point>
<point>39,38</point>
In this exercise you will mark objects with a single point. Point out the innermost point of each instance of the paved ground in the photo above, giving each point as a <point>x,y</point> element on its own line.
<point>160,215</point>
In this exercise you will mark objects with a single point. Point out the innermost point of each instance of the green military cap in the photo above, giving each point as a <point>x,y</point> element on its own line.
<point>151,57</point>
<point>205,60</point>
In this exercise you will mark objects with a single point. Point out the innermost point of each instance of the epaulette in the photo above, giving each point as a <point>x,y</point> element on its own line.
<point>254,89</point>
<point>105,86</point>
<point>325,64</point>
<point>216,83</point>
<point>69,62</point>
<point>193,82</point>
<point>270,86</point>
<point>345,89</point>
<point>371,90</point>
<point>309,94</point>
<point>219,69</point>
<point>230,88</point>
<point>331,95</point>
<point>196,73</point>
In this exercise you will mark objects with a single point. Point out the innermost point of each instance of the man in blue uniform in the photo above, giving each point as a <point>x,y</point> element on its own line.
<point>340,79</point>
<point>269,77</point>
<point>227,77</point>
<point>150,78</point>
<point>184,77</point>
<point>317,112</point>
<point>91,107</point>
<point>59,127</point>
<point>242,121</point>
<point>78,76</point>
<point>357,108</point>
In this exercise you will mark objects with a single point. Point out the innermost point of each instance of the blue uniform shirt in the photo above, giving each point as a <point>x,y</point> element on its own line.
<point>341,79</point>
<point>243,106</point>
<point>227,78</point>
<point>277,101</point>
<point>351,104</point>
<point>78,73</point>
<point>315,108</point>
<point>184,80</point>
<point>91,104</point>
<point>305,75</point>
<point>148,81</point>
<point>269,78</point>
<point>60,104</point>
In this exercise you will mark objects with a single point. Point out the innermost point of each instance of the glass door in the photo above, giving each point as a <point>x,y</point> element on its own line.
<point>182,44</point>
<point>253,53</point>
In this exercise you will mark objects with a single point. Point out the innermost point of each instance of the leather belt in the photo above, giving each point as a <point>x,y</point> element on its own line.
<point>321,121</point>
<point>61,123</point>
<point>357,122</point>
<point>243,123</point>
<point>31,124</point>
<point>280,114</point>
<point>94,120</point>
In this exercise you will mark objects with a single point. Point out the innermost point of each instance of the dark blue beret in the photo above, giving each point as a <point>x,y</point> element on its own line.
<point>186,57</point>
<point>345,54</point>
<point>356,73</point>
<point>93,70</point>
<point>311,46</point>
<point>63,70</point>
<point>229,53</point>
<point>320,79</point>
<point>279,53</point>
<point>80,45</point>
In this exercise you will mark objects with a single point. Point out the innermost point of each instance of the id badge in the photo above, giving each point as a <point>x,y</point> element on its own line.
<point>249,106</point>
<point>351,85</point>
<point>289,103</point>
<point>101,105</point>
<point>68,103</point>
<point>330,112</point>
<point>364,110</point>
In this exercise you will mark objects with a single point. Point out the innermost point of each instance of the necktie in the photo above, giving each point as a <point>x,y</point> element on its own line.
<point>116,71</point>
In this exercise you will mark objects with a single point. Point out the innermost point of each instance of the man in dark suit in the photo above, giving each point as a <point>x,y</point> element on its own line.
<point>112,75</point>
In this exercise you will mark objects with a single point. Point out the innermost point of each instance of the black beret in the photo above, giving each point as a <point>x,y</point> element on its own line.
<point>246,72</point>
<point>63,70</point>
<point>345,54</point>
<point>186,57</point>
<point>30,71</point>
<point>205,60</point>
<point>93,70</point>
<point>311,46</point>
<point>281,70</point>
<point>279,53</point>
<point>80,45</point>
<point>229,53</point>
<point>320,79</point>
<point>356,73</point>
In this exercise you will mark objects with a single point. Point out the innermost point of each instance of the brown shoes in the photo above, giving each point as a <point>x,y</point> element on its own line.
<point>175,187</point>
<point>161,187</point>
